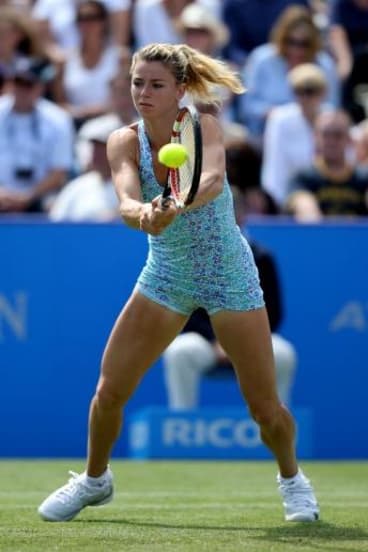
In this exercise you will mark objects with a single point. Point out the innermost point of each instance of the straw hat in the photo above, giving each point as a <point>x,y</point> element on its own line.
<point>195,16</point>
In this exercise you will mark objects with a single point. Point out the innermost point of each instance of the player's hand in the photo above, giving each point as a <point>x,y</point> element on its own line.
<point>154,218</point>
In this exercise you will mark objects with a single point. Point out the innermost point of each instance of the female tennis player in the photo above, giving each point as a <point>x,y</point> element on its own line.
<point>197,258</point>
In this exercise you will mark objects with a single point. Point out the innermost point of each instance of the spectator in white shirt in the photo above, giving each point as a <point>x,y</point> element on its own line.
<point>57,21</point>
<point>289,143</point>
<point>84,84</point>
<point>91,196</point>
<point>36,140</point>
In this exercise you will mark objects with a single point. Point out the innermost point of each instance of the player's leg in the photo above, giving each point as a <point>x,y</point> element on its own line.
<point>185,360</point>
<point>141,333</point>
<point>246,338</point>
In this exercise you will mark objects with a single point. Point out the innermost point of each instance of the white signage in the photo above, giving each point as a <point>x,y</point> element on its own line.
<point>13,316</point>
<point>353,315</point>
<point>220,433</point>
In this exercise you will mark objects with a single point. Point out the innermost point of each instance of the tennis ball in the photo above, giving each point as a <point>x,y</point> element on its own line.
<point>172,155</point>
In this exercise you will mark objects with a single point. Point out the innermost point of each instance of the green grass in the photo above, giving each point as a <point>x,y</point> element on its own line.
<point>186,507</point>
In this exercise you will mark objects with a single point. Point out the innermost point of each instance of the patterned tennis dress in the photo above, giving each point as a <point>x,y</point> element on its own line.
<point>201,259</point>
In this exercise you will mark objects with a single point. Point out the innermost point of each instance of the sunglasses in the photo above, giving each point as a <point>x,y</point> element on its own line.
<point>90,17</point>
<point>334,133</point>
<point>24,82</point>
<point>307,91</point>
<point>298,43</point>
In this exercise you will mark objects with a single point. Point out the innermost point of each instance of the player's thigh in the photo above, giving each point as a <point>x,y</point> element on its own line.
<point>246,338</point>
<point>140,334</point>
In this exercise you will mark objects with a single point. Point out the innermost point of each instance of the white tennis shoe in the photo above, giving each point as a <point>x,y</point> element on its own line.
<point>67,501</point>
<point>299,501</point>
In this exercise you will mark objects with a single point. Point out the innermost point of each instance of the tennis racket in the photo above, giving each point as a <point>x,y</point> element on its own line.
<point>183,182</point>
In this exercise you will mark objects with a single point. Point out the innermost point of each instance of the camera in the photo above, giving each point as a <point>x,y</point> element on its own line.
<point>24,173</point>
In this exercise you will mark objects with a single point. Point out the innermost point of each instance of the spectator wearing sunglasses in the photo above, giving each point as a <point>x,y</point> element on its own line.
<point>56,20</point>
<point>84,86</point>
<point>295,39</point>
<point>250,23</point>
<point>289,138</point>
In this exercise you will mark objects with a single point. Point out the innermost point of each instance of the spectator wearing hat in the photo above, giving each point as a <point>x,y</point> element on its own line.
<point>201,29</point>
<point>18,40</point>
<point>90,196</point>
<point>36,140</point>
<point>289,144</point>
<point>155,20</point>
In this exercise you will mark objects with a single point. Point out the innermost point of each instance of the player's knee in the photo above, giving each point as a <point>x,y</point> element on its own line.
<point>108,397</point>
<point>265,412</point>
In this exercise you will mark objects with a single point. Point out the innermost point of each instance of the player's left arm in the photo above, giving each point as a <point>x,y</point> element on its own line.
<point>213,162</point>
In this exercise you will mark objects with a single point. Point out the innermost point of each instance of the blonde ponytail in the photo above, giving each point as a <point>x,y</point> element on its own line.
<point>200,73</point>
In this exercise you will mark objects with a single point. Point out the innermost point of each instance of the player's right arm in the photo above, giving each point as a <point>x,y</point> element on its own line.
<point>122,153</point>
<point>123,156</point>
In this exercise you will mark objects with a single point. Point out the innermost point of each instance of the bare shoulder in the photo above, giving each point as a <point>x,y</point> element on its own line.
<point>123,137</point>
<point>211,128</point>
<point>123,144</point>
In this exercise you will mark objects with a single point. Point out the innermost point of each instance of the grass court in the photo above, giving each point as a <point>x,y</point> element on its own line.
<point>186,507</point>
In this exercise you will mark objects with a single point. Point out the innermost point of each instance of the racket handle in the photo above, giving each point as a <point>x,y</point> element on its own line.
<point>165,201</point>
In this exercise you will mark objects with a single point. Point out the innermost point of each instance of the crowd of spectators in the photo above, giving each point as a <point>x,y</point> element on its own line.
<point>296,141</point>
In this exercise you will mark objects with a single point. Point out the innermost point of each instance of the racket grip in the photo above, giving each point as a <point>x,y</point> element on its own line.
<point>165,201</point>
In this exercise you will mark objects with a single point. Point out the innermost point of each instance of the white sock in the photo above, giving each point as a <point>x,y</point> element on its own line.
<point>291,479</point>
<point>96,480</point>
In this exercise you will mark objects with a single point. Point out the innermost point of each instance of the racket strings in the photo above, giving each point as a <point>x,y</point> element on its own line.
<point>181,181</point>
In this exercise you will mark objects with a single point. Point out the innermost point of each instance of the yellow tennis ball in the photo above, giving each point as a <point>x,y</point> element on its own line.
<point>172,155</point>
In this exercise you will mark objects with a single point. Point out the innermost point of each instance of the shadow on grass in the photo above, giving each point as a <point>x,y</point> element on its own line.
<point>315,533</point>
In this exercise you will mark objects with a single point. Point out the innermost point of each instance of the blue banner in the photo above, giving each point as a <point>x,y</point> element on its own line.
<point>206,433</point>
<point>62,286</point>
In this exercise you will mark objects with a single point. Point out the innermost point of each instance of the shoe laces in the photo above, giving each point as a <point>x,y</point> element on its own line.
<point>298,494</point>
<point>74,486</point>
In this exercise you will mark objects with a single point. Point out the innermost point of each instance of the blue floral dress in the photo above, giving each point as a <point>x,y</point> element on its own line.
<point>201,259</point>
